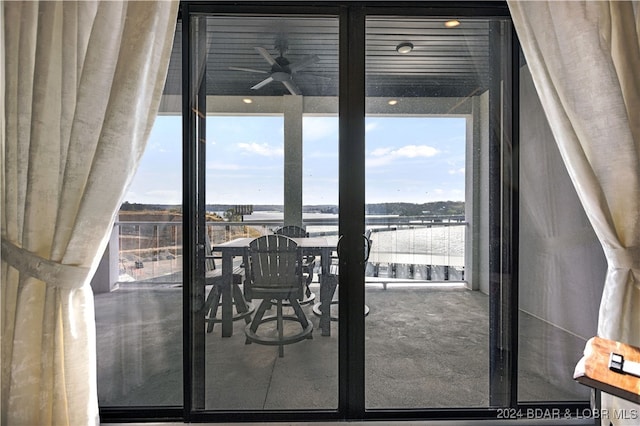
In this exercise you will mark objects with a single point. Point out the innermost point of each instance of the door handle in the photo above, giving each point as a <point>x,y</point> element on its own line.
<point>367,246</point>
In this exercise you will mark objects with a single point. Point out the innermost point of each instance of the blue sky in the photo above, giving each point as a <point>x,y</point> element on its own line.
<point>410,159</point>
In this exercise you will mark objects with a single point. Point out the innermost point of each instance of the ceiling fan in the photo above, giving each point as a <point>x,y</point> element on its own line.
<point>281,69</point>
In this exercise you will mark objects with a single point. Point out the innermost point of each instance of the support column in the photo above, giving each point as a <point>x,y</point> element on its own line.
<point>106,276</point>
<point>292,106</point>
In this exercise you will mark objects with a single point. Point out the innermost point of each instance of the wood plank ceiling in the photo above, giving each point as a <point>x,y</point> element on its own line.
<point>443,62</point>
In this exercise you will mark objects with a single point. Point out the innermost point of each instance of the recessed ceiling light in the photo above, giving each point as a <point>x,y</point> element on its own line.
<point>452,23</point>
<point>247,100</point>
<point>404,48</point>
<point>392,101</point>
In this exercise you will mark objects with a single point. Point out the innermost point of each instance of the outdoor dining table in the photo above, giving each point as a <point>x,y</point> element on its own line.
<point>317,246</point>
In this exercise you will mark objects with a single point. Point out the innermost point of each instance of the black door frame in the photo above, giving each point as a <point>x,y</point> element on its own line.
<point>352,98</point>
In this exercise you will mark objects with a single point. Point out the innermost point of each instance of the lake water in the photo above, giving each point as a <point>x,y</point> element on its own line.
<point>419,244</point>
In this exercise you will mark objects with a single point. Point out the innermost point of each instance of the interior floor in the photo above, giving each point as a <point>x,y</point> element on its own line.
<point>426,347</point>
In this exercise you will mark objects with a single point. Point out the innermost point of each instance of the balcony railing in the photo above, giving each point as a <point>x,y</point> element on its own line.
<point>404,249</point>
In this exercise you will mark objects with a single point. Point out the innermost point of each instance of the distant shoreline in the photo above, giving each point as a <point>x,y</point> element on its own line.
<point>440,208</point>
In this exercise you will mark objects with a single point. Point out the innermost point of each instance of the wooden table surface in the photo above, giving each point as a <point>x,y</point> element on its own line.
<point>593,369</point>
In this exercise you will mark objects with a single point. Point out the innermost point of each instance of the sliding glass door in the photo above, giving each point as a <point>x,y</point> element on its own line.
<point>416,132</point>
<point>267,165</point>
<point>435,159</point>
<point>356,127</point>
<point>386,135</point>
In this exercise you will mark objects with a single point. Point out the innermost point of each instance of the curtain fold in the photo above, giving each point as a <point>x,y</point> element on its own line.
<point>82,82</point>
<point>584,58</point>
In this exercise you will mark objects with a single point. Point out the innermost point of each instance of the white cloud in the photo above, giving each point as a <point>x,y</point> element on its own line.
<point>381,156</point>
<point>264,149</point>
<point>318,128</point>
<point>370,126</point>
<point>379,152</point>
<point>413,151</point>
<point>459,171</point>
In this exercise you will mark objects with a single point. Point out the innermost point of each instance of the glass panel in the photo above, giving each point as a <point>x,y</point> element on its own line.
<point>271,161</point>
<point>562,266</point>
<point>138,285</point>
<point>427,283</point>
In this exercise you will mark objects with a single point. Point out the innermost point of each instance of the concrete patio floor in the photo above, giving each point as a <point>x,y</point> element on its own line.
<point>426,347</point>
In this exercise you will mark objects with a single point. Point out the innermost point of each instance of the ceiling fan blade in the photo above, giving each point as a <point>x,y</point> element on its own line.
<point>291,86</point>
<point>316,76</point>
<point>263,83</point>
<point>248,70</point>
<point>311,59</point>
<point>266,55</point>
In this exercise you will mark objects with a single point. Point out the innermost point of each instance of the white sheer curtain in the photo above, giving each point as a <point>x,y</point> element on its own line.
<point>83,84</point>
<point>584,58</point>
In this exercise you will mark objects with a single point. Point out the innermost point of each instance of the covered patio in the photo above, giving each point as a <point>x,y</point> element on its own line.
<point>426,347</point>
